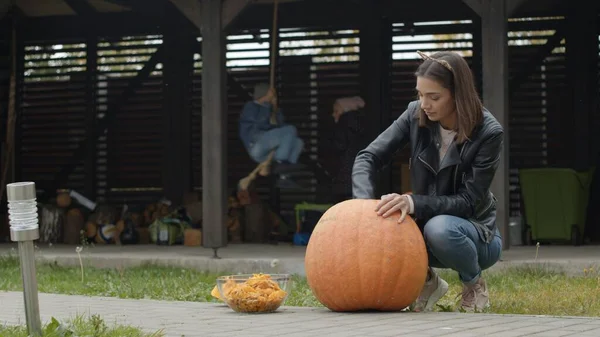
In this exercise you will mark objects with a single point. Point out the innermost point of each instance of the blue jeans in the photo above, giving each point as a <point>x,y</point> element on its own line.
<point>284,139</point>
<point>454,243</point>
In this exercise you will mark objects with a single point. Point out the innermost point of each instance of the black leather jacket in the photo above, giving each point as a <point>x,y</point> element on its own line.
<point>459,185</point>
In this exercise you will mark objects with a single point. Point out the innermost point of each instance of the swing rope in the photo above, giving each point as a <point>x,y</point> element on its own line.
<point>263,168</point>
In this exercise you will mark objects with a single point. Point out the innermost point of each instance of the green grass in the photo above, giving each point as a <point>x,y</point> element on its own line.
<point>147,282</point>
<point>524,290</point>
<point>535,291</point>
<point>80,326</point>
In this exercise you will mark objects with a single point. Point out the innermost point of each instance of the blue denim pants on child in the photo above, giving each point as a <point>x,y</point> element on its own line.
<point>284,139</point>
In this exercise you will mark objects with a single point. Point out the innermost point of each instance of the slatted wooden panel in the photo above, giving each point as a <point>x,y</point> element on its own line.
<point>337,76</point>
<point>52,110</point>
<point>596,116</point>
<point>428,37</point>
<point>538,105</point>
<point>133,160</point>
<point>5,65</point>
<point>325,63</point>
<point>196,119</point>
<point>5,68</point>
<point>294,83</point>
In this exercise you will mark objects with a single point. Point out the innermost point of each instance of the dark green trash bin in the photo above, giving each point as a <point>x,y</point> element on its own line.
<point>555,202</point>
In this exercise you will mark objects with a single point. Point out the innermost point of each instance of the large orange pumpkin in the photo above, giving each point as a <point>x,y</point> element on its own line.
<point>356,260</point>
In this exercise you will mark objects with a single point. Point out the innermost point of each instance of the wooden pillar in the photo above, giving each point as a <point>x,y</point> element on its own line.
<point>177,70</point>
<point>214,127</point>
<point>274,192</point>
<point>90,163</point>
<point>582,79</point>
<point>476,60</point>
<point>495,97</point>
<point>375,68</point>
<point>494,54</point>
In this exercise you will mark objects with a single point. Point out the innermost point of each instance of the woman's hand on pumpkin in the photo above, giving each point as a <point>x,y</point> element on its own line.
<point>391,203</point>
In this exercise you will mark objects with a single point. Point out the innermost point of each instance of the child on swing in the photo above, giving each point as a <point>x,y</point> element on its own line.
<point>261,134</point>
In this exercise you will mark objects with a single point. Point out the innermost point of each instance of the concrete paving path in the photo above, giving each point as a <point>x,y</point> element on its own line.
<point>187,319</point>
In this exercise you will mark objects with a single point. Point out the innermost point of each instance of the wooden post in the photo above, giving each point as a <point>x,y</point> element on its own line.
<point>275,192</point>
<point>214,128</point>
<point>232,9</point>
<point>90,189</point>
<point>177,72</point>
<point>495,97</point>
<point>375,69</point>
<point>477,58</point>
<point>582,77</point>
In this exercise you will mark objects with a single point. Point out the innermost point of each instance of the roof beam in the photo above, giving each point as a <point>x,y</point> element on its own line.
<point>191,10</point>
<point>81,7</point>
<point>5,6</point>
<point>513,5</point>
<point>230,10</point>
<point>475,5</point>
<point>118,3</point>
<point>478,6</point>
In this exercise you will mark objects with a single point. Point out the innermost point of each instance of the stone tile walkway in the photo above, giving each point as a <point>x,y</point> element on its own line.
<point>187,319</point>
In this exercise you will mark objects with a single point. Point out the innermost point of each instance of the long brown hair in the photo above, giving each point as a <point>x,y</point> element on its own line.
<point>452,72</point>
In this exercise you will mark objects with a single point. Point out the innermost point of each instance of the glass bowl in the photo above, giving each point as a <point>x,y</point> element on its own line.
<point>254,293</point>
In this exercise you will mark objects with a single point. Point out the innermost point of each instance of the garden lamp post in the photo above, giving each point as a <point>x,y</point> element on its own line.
<point>24,229</point>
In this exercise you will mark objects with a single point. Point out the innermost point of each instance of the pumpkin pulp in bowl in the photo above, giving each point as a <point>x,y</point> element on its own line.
<point>254,292</point>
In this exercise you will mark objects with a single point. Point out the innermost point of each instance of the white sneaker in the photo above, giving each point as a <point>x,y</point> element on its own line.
<point>435,288</point>
<point>475,297</point>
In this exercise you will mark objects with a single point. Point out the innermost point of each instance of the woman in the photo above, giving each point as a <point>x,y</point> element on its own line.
<point>455,150</point>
